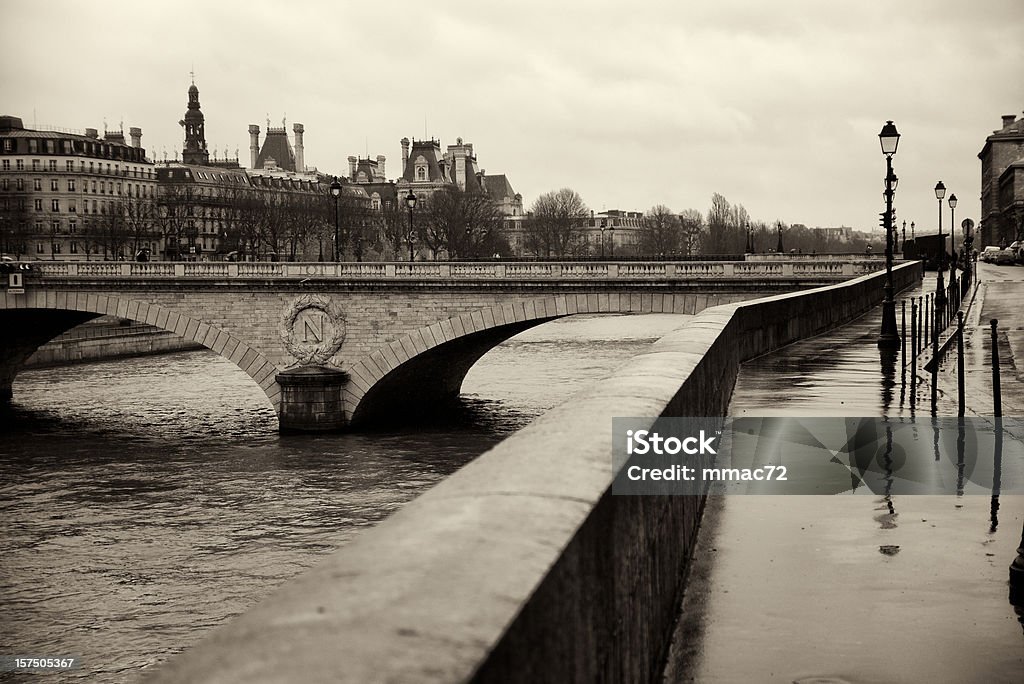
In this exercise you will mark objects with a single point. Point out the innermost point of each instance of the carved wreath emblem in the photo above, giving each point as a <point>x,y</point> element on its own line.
<point>313,329</point>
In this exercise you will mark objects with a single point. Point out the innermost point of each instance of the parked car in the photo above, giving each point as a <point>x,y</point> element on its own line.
<point>1017,247</point>
<point>987,254</point>
<point>995,255</point>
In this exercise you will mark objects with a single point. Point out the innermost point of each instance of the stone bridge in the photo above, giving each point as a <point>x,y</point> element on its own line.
<point>345,344</point>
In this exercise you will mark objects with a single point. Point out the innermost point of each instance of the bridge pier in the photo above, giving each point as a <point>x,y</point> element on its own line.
<point>311,399</point>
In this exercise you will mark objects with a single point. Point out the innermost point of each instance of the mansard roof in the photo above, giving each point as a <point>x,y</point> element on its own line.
<point>430,150</point>
<point>498,187</point>
<point>277,147</point>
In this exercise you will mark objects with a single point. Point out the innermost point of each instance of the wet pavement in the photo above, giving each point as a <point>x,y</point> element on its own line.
<point>867,588</point>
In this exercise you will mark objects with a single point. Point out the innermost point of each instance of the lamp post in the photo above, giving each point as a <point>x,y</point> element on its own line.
<point>888,338</point>
<point>336,193</point>
<point>940,288</point>
<point>952,237</point>
<point>410,201</point>
<point>611,242</point>
<point>604,227</point>
<point>750,240</point>
<point>778,247</point>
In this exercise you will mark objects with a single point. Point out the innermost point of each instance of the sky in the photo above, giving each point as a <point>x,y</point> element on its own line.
<point>774,105</point>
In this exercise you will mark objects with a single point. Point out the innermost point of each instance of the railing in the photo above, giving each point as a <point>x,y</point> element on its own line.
<point>829,269</point>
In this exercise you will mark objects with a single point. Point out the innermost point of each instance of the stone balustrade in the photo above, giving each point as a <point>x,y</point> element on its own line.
<point>795,269</point>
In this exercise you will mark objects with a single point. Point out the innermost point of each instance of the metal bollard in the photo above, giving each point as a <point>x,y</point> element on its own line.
<point>903,343</point>
<point>927,320</point>
<point>997,394</point>
<point>961,407</point>
<point>915,335</point>
<point>935,361</point>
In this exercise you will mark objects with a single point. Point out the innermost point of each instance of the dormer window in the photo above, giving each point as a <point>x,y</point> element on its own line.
<point>421,168</point>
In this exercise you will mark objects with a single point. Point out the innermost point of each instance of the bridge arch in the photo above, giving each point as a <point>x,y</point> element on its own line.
<point>428,365</point>
<point>37,318</point>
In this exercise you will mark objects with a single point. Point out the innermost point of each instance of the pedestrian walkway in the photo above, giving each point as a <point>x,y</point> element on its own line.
<point>866,588</point>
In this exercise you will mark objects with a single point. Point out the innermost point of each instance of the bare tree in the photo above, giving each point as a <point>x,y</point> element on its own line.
<point>554,226</point>
<point>140,220</point>
<point>691,224</point>
<point>14,224</point>
<point>661,234</point>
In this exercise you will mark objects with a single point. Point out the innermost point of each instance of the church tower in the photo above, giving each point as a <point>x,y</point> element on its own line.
<point>195,135</point>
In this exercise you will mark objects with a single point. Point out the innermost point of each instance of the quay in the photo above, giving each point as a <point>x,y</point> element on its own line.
<point>523,566</point>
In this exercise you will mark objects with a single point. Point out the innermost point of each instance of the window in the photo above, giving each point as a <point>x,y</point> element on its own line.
<point>52,165</point>
<point>3,184</point>
<point>56,248</point>
<point>20,164</point>
<point>55,205</point>
<point>51,147</point>
<point>55,226</point>
<point>53,184</point>
<point>33,146</point>
<point>94,187</point>
<point>39,248</point>
<point>20,184</point>
<point>72,206</point>
<point>72,226</point>
<point>69,165</point>
<point>37,184</point>
<point>35,164</point>
<point>94,206</point>
<point>103,187</point>
<point>7,164</point>
<point>74,247</point>
<point>8,145</point>
<point>39,205</point>
<point>69,148</point>
<point>71,185</point>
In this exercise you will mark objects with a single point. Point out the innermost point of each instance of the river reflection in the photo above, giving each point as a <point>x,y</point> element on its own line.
<point>145,501</point>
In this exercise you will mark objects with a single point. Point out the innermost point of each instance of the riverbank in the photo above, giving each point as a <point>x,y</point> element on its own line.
<point>106,338</point>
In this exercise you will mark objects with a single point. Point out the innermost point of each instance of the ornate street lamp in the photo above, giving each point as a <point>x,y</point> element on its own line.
<point>611,241</point>
<point>940,288</point>
<point>410,201</point>
<point>336,193</point>
<point>889,337</point>
<point>750,239</point>
<point>952,237</point>
<point>778,247</point>
<point>604,227</point>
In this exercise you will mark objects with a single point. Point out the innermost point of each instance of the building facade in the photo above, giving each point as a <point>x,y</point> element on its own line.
<point>68,195</point>
<point>1002,196</point>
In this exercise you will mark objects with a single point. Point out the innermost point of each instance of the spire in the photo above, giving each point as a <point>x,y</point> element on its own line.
<point>194,151</point>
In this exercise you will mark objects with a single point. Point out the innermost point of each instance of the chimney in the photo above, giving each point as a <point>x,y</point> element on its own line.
<point>352,162</point>
<point>1008,119</point>
<point>405,152</point>
<point>380,166</point>
<point>299,152</point>
<point>136,134</point>
<point>254,145</point>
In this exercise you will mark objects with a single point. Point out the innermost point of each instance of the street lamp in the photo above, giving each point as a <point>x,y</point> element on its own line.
<point>952,237</point>
<point>336,193</point>
<point>940,289</point>
<point>611,241</point>
<point>604,227</point>
<point>888,338</point>
<point>750,240</point>
<point>778,247</point>
<point>410,201</point>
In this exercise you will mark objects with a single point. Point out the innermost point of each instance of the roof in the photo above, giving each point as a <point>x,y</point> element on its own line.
<point>276,146</point>
<point>430,150</point>
<point>497,187</point>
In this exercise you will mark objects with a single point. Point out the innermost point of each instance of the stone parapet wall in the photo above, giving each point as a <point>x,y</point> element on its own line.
<point>522,566</point>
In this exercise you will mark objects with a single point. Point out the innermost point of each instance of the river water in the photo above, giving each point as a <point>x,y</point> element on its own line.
<point>145,501</point>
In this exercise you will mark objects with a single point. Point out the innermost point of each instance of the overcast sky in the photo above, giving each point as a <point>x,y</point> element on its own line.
<point>775,105</point>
